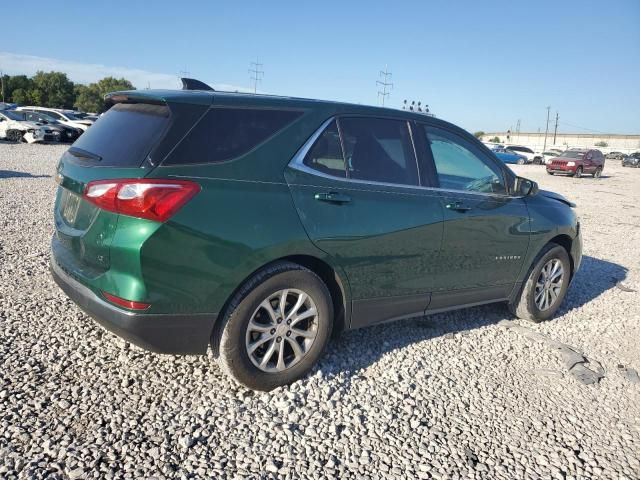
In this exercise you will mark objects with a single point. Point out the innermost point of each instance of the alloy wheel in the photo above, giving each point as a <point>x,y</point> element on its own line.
<point>282,330</point>
<point>549,284</point>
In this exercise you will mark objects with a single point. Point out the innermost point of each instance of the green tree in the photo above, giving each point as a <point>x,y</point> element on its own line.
<point>494,140</point>
<point>90,98</point>
<point>52,89</point>
<point>602,143</point>
<point>478,134</point>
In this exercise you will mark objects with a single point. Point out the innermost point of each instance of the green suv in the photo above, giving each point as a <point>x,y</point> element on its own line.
<point>259,225</point>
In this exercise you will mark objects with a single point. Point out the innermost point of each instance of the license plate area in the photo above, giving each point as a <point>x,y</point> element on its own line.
<point>70,203</point>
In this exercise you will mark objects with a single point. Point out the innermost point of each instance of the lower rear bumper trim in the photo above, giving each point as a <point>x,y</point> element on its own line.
<point>178,334</point>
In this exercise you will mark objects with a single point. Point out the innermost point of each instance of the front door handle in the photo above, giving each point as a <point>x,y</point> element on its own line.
<point>333,197</point>
<point>458,207</point>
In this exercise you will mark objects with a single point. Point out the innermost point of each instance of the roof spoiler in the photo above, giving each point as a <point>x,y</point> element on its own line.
<point>193,84</point>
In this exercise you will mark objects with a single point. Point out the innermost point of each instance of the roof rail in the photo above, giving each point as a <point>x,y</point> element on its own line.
<point>193,84</point>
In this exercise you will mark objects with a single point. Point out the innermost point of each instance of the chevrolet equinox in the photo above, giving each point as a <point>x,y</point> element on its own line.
<point>259,225</point>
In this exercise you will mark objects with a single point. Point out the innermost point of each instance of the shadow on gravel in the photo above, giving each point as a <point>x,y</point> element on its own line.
<point>14,174</point>
<point>595,277</point>
<point>358,349</point>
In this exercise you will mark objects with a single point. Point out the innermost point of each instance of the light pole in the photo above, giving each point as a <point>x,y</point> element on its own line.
<point>546,131</point>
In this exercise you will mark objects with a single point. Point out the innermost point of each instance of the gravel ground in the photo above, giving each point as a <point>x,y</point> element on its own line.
<point>469,394</point>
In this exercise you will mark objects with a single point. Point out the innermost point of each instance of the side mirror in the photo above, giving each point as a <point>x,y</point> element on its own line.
<point>525,187</point>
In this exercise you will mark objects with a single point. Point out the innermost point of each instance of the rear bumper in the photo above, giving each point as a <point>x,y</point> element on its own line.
<point>177,334</point>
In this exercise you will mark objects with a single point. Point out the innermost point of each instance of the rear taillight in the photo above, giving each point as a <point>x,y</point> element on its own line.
<point>122,302</point>
<point>153,199</point>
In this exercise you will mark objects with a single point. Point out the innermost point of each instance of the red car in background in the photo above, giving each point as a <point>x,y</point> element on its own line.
<point>577,162</point>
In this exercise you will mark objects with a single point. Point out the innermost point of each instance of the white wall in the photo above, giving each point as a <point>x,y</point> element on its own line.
<point>621,143</point>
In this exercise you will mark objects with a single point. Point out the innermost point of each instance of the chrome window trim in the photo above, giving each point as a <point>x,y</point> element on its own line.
<point>297,163</point>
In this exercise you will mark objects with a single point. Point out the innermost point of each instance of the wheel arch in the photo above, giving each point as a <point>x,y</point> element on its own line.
<point>336,284</point>
<point>566,242</point>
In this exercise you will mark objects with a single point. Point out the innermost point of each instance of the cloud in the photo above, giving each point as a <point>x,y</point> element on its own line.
<point>18,64</point>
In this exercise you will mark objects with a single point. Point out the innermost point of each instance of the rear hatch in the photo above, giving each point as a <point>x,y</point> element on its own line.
<point>128,141</point>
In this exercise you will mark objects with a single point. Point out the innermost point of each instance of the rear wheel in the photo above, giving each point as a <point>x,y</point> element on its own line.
<point>550,173</point>
<point>578,173</point>
<point>276,327</point>
<point>546,285</point>
<point>15,136</point>
<point>597,173</point>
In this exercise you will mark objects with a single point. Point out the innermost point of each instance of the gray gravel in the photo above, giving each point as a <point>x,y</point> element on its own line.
<point>456,395</point>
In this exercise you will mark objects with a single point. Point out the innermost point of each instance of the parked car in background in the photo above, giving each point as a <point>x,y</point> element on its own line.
<point>66,133</point>
<point>67,117</point>
<point>632,160</point>
<point>14,128</point>
<point>508,156</point>
<point>210,222</point>
<point>550,155</point>
<point>529,154</point>
<point>577,162</point>
<point>615,156</point>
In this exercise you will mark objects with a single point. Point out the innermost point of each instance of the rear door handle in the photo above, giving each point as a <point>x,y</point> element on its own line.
<point>458,207</point>
<point>333,197</point>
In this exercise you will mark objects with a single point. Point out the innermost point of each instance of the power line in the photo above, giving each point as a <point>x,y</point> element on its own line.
<point>386,74</point>
<point>256,74</point>
<point>581,128</point>
<point>546,131</point>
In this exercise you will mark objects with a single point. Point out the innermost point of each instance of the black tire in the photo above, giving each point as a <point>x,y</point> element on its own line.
<point>550,173</point>
<point>597,173</point>
<point>578,173</point>
<point>233,355</point>
<point>15,136</point>
<point>525,306</point>
<point>521,161</point>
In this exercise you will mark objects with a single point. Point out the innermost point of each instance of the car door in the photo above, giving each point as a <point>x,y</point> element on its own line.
<point>359,194</point>
<point>486,230</point>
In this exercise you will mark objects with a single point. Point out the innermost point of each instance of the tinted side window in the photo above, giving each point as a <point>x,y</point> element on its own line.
<point>326,154</point>
<point>460,166</point>
<point>226,133</point>
<point>379,150</point>
<point>55,115</point>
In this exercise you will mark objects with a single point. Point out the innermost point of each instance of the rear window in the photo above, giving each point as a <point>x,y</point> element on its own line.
<point>125,135</point>
<point>227,133</point>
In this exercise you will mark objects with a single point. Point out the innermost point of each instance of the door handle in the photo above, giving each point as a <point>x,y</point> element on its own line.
<point>333,197</point>
<point>458,207</point>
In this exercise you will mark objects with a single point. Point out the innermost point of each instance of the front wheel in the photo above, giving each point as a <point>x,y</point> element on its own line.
<point>276,327</point>
<point>546,285</point>
<point>578,173</point>
<point>521,161</point>
<point>15,136</point>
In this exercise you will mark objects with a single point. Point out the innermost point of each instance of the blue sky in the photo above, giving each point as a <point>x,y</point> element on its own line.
<point>480,64</point>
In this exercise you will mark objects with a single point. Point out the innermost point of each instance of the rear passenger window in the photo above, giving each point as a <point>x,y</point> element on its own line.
<point>227,133</point>
<point>379,150</point>
<point>326,154</point>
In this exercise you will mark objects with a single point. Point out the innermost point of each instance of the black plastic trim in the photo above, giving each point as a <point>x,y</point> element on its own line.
<point>178,334</point>
<point>375,310</point>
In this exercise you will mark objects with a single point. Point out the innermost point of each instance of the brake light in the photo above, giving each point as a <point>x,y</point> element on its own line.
<point>126,303</point>
<point>153,199</point>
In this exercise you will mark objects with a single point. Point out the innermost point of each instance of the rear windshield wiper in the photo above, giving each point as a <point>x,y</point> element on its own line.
<point>80,153</point>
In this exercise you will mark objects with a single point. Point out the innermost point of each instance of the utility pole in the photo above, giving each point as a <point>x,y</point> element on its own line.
<point>546,131</point>
<point>555,130</point>
<point>518,130</point>
<point>386,75</point>
<point>256,74</point>
<point>2,82</point>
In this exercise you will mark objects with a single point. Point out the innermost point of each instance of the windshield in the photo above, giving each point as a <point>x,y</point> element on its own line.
<point>13,115</point>
<point>573,154</point>
<point>80,114</point>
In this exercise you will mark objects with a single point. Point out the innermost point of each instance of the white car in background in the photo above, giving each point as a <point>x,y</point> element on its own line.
<point>532,157</point>
<point>549,155</point>
<point>15,129</point>
<point>66,117</point>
